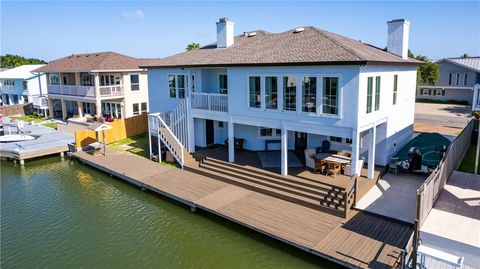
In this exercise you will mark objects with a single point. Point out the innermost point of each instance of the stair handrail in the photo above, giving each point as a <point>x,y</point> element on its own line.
<point>180,158</point>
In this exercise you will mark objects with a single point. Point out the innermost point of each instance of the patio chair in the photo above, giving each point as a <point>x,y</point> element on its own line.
<point>345,153</point>
<point>325,146</point>
<point>333,169</point>
<point>310,159</point>
<point>393,166</point>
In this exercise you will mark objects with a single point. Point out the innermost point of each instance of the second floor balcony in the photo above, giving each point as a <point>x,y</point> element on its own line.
<point>210,101</point>
<point>85,91</point>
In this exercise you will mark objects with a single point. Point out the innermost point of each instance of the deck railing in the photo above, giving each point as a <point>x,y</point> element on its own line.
<point>40,102</point>
<point>210,101</point>
<point>75,90</point>
<point>111,90</point>
<point>166,136</point>
<point>350,195</point>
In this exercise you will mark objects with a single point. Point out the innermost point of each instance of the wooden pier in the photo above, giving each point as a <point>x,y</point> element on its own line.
<point>362,240</point>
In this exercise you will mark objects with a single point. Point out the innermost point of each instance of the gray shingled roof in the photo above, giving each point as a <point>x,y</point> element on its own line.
<point>472,63</point>
<point>312,46</point>
<point>88,62</point>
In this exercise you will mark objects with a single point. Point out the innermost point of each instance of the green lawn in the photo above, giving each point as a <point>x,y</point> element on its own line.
<point>135,145</point>
<point>468,162</point>
<point>50,125</point>
<point>29,118</point>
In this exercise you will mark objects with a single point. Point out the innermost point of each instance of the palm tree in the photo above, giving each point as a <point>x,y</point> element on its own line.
<point>192,46</point>
<point>465,55</point>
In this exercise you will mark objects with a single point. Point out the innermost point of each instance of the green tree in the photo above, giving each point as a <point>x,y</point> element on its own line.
<point>465,55</point>
<point>428,72</point>
<point>10,61</point>
<point>192,46</point>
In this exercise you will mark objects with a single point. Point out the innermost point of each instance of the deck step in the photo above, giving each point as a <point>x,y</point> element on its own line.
<point>284,182</point>
<point>313,201</point>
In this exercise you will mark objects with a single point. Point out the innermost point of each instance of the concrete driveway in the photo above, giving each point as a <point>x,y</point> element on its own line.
<point>446,115</point>
<point>394,196</point>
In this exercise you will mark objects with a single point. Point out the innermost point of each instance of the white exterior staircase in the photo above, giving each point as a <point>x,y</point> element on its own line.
<point>172,130</point>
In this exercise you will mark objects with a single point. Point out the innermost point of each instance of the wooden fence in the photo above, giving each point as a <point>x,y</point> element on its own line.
<point>121,129</point>
<point>12,110</point>
<point>428,192</point>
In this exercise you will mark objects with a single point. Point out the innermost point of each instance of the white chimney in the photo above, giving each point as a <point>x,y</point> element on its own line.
<point>224,33</point>
<point>398,32</point>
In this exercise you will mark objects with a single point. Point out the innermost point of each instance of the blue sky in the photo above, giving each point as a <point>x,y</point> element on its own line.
<point>52,29</point>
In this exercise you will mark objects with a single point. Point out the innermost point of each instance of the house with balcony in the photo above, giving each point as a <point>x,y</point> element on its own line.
<point>106,84</point>
<point>304,91</point>
<point>21,85</point>
<point>459,81</point>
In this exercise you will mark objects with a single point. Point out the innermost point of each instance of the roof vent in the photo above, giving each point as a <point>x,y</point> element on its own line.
<point>250,34</point>
<point>298,30</point>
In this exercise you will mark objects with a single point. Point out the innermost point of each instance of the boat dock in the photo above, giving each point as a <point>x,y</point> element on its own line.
<point>363,240</point>
<point>48,142</point>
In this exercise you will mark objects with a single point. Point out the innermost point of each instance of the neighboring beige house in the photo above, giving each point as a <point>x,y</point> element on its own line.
<point>105,84</point>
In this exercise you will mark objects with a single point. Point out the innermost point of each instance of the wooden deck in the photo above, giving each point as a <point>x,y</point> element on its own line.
<point>364,240</point>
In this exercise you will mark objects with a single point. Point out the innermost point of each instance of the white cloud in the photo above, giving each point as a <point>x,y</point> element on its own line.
<point>135,14</point>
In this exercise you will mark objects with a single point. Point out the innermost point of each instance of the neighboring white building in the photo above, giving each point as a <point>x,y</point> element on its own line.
<point>297,88</point>
<point>21,85</point>
<point>102,83</point>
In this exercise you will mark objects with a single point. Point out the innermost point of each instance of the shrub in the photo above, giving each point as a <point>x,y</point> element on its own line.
<point>476,114</point>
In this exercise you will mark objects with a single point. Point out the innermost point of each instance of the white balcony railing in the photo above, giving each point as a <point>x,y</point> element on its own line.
<point>112,90</point>
<point>76,90</point>
<point>40,102</point>
<point>210,101</point>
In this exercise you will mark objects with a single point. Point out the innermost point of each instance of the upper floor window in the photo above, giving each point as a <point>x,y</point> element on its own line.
<point>270,132</point>
<point>465,79</point>
<point>369,94</point>
<point>458,79</point>
<point>223,84</point>
<point>87,80</point>
<point>330,95</point>
<point>271,93</point>
<point>289,94</point>
<point>309,94</point>
<point>176,85</point>
<point>254,92</point>
<point>134,82</point>
<point>395,88</point>
<point>54,79</point>
<point>8,82</point>
<point>24,85</point>
<point>477,81</point>
<point>109,80</point>
<point>377,93</point>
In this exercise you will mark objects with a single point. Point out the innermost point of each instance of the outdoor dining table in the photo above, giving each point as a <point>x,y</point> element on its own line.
<point>333,158</point>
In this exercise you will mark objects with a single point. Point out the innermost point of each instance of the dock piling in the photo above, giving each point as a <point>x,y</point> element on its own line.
<point>193,209</point>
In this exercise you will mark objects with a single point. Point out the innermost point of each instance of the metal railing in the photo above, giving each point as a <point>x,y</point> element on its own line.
<point>210,101</point>
<point>40,101</point>
<point>164,134</point>
<point>75,90</point>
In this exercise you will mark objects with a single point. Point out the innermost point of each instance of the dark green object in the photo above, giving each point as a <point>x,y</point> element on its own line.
<point>431,145</point>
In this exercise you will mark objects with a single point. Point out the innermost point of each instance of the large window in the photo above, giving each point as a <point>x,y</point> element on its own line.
<point>478,79</point>
<point>223,85</point>
<point>289,94</point>
<point>377,93</point>
<point>172,86</point>
<point>254,92</point>
<point>53,79</point>
<point>271,93</point>
<point>86,79</point>
<point>465,79</point>
<point>8,82</point>
<point>144,108</point>
<point>369,94</point>
<point>395,88</point>
<point>134,82</point>
<point>330,95</point>
<point>309,94</point>
<point>181,86</point>
<point>108,80</point>
<point>270,132</point>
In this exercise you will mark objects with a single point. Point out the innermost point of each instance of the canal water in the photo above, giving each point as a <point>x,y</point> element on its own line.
<point>61,214</point>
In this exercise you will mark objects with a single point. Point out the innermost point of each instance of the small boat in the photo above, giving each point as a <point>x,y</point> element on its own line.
<point>15,138</point>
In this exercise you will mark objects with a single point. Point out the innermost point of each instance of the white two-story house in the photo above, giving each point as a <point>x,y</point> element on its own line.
<point>105,84</point>
<point>20,85</point>
<point>296,89</point>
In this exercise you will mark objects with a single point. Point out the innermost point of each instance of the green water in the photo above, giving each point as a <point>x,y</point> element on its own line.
<point>61,214</point>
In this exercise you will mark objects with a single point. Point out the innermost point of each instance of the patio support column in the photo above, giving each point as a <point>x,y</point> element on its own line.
<point>371,152</point>
<point>190,122</point>
<point>98,102</point>
<point>80,109</point>
<point>284,149</point>
<point>50,107</point>
<point>356,169</point>
<point>231,140</point>
<point>64,109</point>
